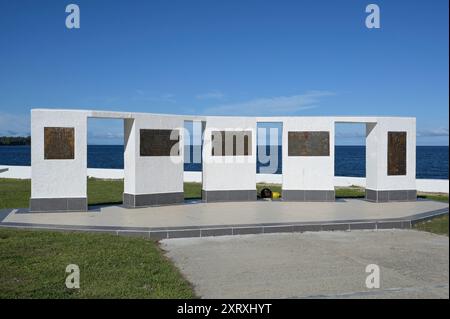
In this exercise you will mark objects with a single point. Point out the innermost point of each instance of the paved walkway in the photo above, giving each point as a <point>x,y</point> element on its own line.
<point>201,219</point>
<point>413,264</point>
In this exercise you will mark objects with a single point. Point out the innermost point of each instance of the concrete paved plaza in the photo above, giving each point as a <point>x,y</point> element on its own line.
<point>412,264</point>
<point>229,213</point>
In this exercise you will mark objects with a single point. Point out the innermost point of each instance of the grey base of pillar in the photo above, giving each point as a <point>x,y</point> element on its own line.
<point>79,204</point>
<point>229,196</point>
<point>407,195</point>
<point>143,200</point>
<point>308,195</point>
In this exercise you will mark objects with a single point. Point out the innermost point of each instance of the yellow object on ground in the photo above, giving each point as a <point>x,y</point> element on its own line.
<point>276,195</point>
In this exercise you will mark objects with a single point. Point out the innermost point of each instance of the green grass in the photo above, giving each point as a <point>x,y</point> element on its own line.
<point>14,193</point>
<point>192,190</point>
<point>350,192</point>
<point>438,225</point>
<point>33,265</point>
<point>104,191</point>
<point>436,197</point>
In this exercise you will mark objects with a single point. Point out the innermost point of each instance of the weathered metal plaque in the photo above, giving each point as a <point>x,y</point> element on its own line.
<point>59,143</point>
<point>396,153</point>
<point>315,143</point>
<point>159,142</point>
<point>231,143</point>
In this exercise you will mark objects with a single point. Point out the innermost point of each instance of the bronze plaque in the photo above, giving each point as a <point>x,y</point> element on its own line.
<point>396,153</point>
<point>315,143</point>
<point>231,143</point>
<point>59,143</point>
<point>158,142</point>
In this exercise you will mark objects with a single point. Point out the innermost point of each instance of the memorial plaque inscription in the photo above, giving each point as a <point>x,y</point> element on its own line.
<point>305,143</point>
<point>59,143</point>
<point>158,142</point>
<point>396,153</point>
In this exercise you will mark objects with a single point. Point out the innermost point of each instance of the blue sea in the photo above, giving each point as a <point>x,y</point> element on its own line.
<point>431,161</point>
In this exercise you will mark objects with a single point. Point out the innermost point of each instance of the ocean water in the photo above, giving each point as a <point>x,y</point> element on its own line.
<point>431,161</point>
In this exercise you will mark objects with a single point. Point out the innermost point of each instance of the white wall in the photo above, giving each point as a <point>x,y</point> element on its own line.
<point>194,177</point>
<point>376,154</point>
<point>228,172</point>
<point>58,178</point>
<point>129,156</point>
<point>67,178</point>
<point>432,185</point>
<point>18,172</point>
<point>308,172</point>
<point>152,174</point>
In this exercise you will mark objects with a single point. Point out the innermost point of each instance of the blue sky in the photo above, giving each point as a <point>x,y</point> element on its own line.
<point>227,57</point>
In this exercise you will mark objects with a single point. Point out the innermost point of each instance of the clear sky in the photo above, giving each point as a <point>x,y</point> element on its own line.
<point>227,57</point>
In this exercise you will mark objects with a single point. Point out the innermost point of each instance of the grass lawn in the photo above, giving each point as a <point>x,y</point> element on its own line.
<point>436,197</point>
<point>192,190</point>
<point>350,192</point>
<point>14,193</point>
<point>33,265</point>
<point>438,225</point>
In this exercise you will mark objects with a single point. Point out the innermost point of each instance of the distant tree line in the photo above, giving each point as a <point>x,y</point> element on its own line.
<point>15,140</point>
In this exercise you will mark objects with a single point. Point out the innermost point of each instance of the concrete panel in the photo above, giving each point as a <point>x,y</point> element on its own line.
<point>183,233</point>
<point>247,230</point>
<point>308,195</point>
<point>308,172</point>
<point>229,195</point>
<point>335,227</point>
<point>58,205</point>
<point>361,226</point>
<point>391,195</point>
<point>229,175</point>
<point>398,195</point>
<point>143,200</point>
<point>57,178</point>
<point>377,156</point>
<point>216,232</point>
<point>147,175</point>
<point>293,195</point>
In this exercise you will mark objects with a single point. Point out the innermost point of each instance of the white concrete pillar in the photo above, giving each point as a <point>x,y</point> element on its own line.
<point>229,177</point>
<point>153,176</point>
<point>58,175</point>
<point>130,145</point>
<point>308,175</point>
<point>383,185</point>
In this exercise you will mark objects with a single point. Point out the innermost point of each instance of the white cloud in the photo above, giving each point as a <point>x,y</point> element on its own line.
<point>279,105</point>
<point>14,125</point>
<point>442,131</point>
<point>217,95</point>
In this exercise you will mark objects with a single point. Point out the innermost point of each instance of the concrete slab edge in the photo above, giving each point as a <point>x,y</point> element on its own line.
<point>229,230</point>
